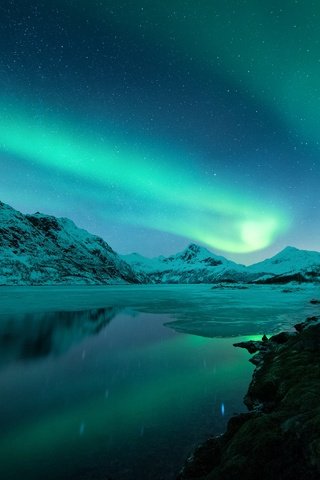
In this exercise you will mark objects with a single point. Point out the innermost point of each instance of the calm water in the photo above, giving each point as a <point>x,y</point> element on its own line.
<point>121,382</point>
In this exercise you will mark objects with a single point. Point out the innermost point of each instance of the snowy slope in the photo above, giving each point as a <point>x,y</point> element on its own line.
<point>289,262</point>
<point>198,265</point>
<point>195,264</point>
<point>44,250</point>
<point>143,264</point>
<point>41,249</point>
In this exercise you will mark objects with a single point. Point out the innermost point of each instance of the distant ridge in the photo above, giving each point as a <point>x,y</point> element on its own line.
<point>41,249</point>
<point>301,265</point>
<point>196,264</point>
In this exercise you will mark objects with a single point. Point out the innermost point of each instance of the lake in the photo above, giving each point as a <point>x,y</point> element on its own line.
<point>121,382</point>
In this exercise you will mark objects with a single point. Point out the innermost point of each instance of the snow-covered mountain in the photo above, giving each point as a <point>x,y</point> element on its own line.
<point>41,249</point>
<point>44,250</point>
<point>198,265</point>
<point>289,264</point>
<point>195,264</point>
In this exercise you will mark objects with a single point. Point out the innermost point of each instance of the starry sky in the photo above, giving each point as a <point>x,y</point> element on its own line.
<point>159,123</point>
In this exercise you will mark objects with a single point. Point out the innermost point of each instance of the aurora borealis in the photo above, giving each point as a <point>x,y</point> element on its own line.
<point>154,124</point>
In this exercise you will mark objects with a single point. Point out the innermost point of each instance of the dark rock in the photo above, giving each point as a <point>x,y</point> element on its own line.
<point>256,359</point>
<point>315,301</point>
<point>236,422</point>
<point>206,457</point>
<point>232,284</point>
<point>280,338</point>
<point>263,394</point>
<point>282,279</point>
<point>280,438</point>
<point>251,346</point>
<point>211,261</point>
<point>301,326</point>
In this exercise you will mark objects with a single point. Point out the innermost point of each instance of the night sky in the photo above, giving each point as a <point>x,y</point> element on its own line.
<point>159,123</point>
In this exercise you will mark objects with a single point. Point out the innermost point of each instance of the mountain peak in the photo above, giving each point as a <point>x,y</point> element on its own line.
<point>193,247</point>
<point>195,254</point>
<point>294,253</point>
<point>196,249</point>
<point>289,249</point>
<point>192,252</point>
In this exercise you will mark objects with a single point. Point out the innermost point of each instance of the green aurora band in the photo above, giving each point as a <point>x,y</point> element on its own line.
<point>174,200</point>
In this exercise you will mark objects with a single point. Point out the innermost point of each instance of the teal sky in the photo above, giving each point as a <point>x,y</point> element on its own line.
<point>154,124</point>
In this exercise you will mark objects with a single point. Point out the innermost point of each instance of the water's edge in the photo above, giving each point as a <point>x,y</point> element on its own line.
<point>279,436</point>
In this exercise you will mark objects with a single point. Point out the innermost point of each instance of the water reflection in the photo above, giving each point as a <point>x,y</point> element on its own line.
<point>35,323</point>
<point>37,335</point>
<point>121,399</point>
<point>109,391</point>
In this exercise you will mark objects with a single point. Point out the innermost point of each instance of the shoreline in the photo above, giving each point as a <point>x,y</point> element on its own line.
<point>279,436</point>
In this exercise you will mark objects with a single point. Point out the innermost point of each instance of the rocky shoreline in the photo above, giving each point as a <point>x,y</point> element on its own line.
<point>279,437</point>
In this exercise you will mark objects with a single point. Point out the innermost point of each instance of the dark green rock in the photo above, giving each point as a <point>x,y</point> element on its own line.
<point>280,437</point>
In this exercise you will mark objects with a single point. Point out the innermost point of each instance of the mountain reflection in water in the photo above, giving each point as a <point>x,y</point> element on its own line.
<point>32,336</point>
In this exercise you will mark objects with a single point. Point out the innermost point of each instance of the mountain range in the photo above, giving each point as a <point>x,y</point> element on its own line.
<point>41,249</point>
<point>196,264</point>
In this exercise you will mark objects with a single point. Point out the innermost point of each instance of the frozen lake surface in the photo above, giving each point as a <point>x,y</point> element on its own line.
<point>122,382</point>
